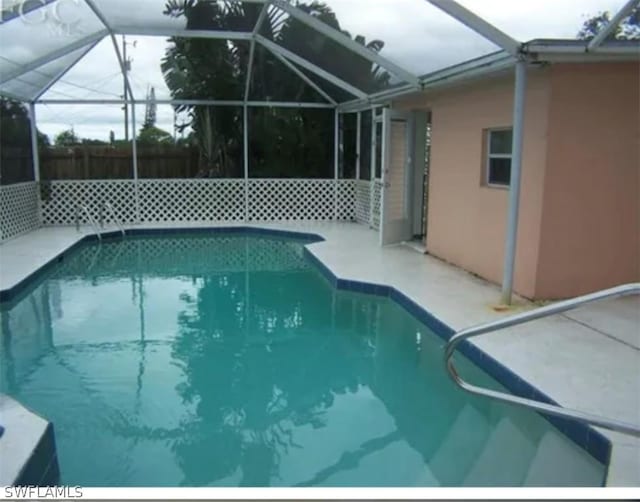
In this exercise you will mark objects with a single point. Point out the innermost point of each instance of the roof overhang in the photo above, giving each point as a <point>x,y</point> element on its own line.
<point>537,51</point>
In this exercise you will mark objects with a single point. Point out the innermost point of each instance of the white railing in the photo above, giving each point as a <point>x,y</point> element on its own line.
<point>522,318</point>
<point>82,210</point>
<point>108,208</point>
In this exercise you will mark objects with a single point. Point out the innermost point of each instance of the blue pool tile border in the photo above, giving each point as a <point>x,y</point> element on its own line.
<point>586,437</point>
<point>591,440</point>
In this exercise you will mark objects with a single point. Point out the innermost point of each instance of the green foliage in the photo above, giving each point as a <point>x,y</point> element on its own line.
<point>93,142</point>
<point>628,29</point>
<point>69,138</point>
<point>284,142</point>
<point>151,135</point>
<point>14,124</point>
<point>66,138</point>
<point>15,143</point>
<point>43,140</point>
<point>150,111</point>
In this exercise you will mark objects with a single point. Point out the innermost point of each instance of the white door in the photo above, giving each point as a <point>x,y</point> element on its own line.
<point>395,221</point>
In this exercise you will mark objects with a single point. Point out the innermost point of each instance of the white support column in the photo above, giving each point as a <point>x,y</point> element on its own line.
<point>252,49</point>
<point>358,141</point>
<point>134,147</point>
<point>47,58</point>
<point>65,71</point>
<point>141,31</point>
<point>346,41</point>
<point>187,102</point>
<point>245,127</point>
<point>514,189</point>
<point>306,79</point>
<point>121,60</point>
<point>247,84</point>
<point>612,25</point>
<point>477,24</point>
<point>34,143</point>
<point>336,162</point>
<point>372,166</point>
<point>300,61</point>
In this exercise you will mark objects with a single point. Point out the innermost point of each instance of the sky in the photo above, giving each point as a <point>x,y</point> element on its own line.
<point>417,36</point>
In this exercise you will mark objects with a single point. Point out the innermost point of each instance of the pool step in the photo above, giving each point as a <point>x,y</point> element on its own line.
<point>456,455</point>
<point>559,462</point>
<point>505,459</point>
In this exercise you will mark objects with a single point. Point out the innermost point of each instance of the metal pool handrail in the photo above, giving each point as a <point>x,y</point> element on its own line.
<point>116,221</point>
<point>550,409</point>
<point>85,210</point>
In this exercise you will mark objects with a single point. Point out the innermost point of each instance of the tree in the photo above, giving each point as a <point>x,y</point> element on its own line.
<point>66,138</point>
<point>93,142</point>
<point>15,143</point>
<point>150,109</point>
<point>14,123</point>
<point>628,29</point>
<point>43,140</point>
<point>216,69</point>
<point>15,126</point>
<point>151,135</point>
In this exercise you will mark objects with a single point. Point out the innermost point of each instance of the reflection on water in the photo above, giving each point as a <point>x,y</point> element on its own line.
<point>230,361</point>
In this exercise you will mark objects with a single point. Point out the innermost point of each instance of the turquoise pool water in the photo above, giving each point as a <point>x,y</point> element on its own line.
<point>229,360</point>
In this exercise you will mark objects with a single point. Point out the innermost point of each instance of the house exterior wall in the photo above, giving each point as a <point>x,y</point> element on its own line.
<point>579,222</point>
<point>466,218</point>
<point>590,236</point>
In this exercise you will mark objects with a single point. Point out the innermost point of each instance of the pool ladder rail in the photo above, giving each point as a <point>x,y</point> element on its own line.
<point>109,208</point>
<point>546,311</point>
<point>82,209</point>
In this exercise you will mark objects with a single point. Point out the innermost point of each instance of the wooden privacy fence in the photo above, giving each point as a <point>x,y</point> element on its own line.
<point>106,162</point>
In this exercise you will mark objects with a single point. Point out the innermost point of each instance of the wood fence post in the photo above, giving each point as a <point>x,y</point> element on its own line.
<point>85,155</point>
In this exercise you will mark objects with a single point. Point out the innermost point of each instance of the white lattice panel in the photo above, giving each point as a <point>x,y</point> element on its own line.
<point>346,200</point>
<point>19,211</point>
<point>363,201</point>
<point>201,200</point>
<point>216,200</point>
<point>291,200</point>
<point>376,204</point>
<point>61,198</point>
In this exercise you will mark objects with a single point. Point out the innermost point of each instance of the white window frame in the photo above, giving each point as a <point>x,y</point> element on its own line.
<point>490,156</point>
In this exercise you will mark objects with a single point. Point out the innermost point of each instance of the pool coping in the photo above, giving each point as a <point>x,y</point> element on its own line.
<point>586,437</point>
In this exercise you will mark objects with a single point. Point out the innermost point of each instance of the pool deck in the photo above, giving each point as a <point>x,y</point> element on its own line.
<point>588,359</point>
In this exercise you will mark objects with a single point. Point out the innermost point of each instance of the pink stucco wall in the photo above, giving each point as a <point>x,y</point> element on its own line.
<point>579,215</point>
<point>466,219</point>
<point>591,214</point>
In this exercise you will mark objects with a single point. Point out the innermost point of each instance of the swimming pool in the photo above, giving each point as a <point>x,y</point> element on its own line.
<point>231,360</point>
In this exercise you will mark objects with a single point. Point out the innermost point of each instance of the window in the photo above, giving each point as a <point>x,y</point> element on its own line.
<point>499,157</point>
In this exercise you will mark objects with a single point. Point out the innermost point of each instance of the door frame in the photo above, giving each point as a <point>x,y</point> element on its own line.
<point>406,233</point>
